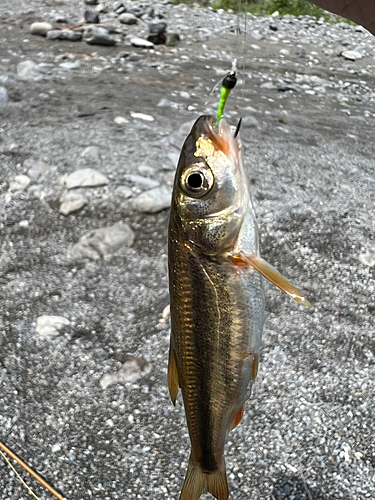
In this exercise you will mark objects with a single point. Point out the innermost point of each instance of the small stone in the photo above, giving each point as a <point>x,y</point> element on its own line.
<point>268,85</point>
<point>29,70</point>
<point>98,36</point>
<point>103,242</point>
<point>185,95</point>
<point>71,202</point>
<point>91,2</point>
<point>40,29</point>
<point>131,371</point>
<point>124,191</point>
<point>23,223</point>
<point>128,18</point>
<point>275,14</point>
<point>142,116</point>
<point>4,97</point>
<point>71,36</point>
<point>91,153</point>
<point>274,27</point>
<point>141,43</point>
<point>91,17</point>
<point>153,201</point>
<point>120,120</point>
<point>35,168</point>
<point>54,35</point>
<point>172,39</point>
<point>250,122</point>
<point>85,177</point>
<point>20,183</point>
<point>56,448</point>
<point>284,52</point>
<point>146,170</point>
<point>352,55</point>
<point>51,326</point>
<point>368,258</point>
<point>70,65</point>
<point>283,116</point>
<point>142,181</point>
<point>102,8</point>
<point>257,35</point>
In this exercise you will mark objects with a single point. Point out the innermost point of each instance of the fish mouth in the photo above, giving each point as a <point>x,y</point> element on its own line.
<point>224,136</point>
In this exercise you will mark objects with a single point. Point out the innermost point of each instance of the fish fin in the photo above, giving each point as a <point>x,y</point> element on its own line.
<point>254,366</point>
<point>196,482</point>
<point>272,275</point>
<point>217,484</point>
<point>173,383</point>
<point>237,418</point>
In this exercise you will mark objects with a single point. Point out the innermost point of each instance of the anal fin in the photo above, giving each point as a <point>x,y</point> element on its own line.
<point>271,274</point>
<point>173,383</point>
<point>237,418</point>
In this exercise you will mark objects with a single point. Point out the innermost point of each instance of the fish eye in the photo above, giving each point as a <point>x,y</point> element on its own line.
<point>197,180</point>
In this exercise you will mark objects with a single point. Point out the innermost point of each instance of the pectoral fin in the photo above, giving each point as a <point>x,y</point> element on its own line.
<point>272,275</point>
<point>173,383</point>
<point>237,418</point>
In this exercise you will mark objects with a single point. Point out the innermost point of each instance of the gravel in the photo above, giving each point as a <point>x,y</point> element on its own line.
<point>308,429</point>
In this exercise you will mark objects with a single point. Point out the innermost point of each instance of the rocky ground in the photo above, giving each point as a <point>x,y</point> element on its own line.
<point>89,139</point>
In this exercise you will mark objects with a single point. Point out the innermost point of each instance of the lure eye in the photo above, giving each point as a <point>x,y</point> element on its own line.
<point>197,180</point>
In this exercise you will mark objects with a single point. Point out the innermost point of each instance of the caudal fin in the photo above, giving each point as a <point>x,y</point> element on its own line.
<point>196,482</point>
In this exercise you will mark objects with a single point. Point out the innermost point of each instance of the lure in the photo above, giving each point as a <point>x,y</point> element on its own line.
<point>229,82</point>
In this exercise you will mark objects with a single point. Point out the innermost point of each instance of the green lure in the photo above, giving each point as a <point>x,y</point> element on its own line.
<point>228,84</point>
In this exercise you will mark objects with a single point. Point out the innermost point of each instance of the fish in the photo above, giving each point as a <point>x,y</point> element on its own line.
<point>217,297</point>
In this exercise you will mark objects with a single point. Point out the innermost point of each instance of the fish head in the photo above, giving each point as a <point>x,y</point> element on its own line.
<point>210,194</point>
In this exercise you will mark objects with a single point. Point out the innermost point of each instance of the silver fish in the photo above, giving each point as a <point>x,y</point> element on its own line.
<point>216,295</point>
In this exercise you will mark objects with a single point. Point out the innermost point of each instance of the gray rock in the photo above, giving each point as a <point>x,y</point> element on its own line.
<point>353,55</point>
<point>124,191</point>
<point>91,153</point>
<point>368,258</point>
<point>283,116</point>
<point>70,65</point>
<point>142,181</point>
<point>51,326</point>
<point>121,120</point>
<point>40,29</point>
<point>20,183</point>
<point>71,202</point>
<point>128,18</point>
<point>102,8</point>
<point>85,177</point>
<point>4,97</point>
<point>250,122</point>
<point>103,242</point>
<point>146,170</point>
<point>141,42</point>
<point>29,70</point>
<point>131,371</point>
<point>54,35</point>
<point>268,85</point>
<point>117,5</point>
<point>91,2</point>
<point>257,35</point>
<point>91,17</point>
<point>153,201</point>
<point>98,36</point>
<point>71,36</point>
<point>35,168</point>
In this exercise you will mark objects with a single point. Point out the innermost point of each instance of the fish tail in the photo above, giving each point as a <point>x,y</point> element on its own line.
<point>197,481</point>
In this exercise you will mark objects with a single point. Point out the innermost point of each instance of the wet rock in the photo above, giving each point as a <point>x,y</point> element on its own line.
<point>51,326</point>
<point>142,181</point>
<point>91,17</point>
<point>19,183</point>
<point>103,242</point>
<point>142,116</point>
<point>91,2</point>
<point>124,191</point>
<point>85,177</point>
<point>141,43</point>
<point>172,39</point>
<point>4,97</point>
<point>36,169</point>
<point>128,18</point>
<point>153,201</point>
<point>98,36</point>
<point>71,202</point>
<point>40,29</point>
<point>91,153</point>
<point>157,33</point>
<point>120,120</point>
<point>71,36</point>
<point>274,27</point>
<point>29,70</point>
<point>131,371</point>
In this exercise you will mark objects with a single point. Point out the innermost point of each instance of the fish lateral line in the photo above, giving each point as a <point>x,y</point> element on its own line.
<point>272,275</point>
